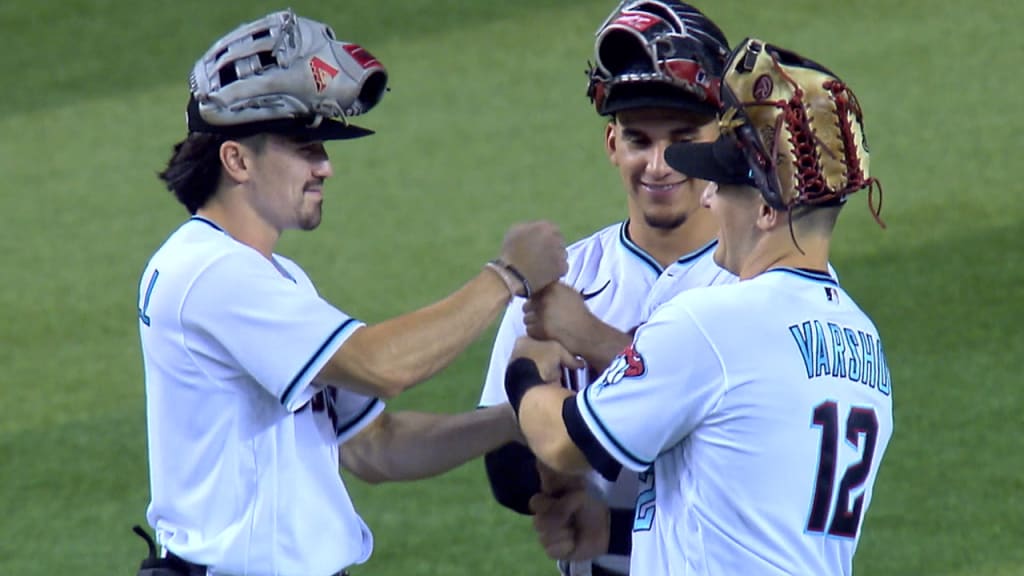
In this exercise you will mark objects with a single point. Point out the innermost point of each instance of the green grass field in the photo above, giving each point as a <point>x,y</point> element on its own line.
<point>487,124</point>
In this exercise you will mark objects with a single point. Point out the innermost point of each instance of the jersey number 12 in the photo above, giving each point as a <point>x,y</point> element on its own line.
<point>846,519</point>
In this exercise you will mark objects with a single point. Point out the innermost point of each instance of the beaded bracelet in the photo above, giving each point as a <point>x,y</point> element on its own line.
<point>500,265</point>
<point>505,276</point>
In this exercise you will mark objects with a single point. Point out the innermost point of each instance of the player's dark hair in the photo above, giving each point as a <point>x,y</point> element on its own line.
<point>193,172</point>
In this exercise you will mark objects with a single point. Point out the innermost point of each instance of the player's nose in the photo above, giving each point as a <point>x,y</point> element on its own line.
<point>323,168</point>
<point>656,164</point>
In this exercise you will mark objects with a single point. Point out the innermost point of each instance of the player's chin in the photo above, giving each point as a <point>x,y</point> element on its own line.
<point>310,221</point>
<point>664,219</point>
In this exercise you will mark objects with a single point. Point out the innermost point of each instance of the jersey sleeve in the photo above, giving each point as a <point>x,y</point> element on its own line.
<point>509,331</point>
<point>654,394</point>
<point>352,412</point>
<point>279,331</point>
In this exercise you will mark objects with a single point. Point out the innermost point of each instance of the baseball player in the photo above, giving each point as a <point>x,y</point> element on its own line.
<point>253,381</point>
<point>653,97</point>
<point>758,413</point>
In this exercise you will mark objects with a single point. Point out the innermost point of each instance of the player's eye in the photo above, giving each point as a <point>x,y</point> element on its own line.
<point>314,152</point>
<point>636,140</point>
<point>684,135</point>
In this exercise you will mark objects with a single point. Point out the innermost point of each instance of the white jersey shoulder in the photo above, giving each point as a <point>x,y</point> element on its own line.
<point>243,447</point>
<point>757,415</point>
<point>622,285</point>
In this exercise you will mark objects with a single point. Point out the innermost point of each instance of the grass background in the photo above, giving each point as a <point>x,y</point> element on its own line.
<point>487,124</point>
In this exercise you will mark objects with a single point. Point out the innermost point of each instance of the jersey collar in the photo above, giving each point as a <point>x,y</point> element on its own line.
<point>273,259</point>
<point>814,275</point>
<point>653,264</point>
<point>208,222</point>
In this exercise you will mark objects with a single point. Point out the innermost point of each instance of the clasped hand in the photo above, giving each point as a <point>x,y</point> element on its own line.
<point>549,356</point>
<point>570,523</point>
<point>558,313</point>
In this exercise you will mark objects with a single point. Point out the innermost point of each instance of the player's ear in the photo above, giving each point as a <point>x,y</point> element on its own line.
<point>768,217</point>
<point>610,143</point>
<point>234,158</point>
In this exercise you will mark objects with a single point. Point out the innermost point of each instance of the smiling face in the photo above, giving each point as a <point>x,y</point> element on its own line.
<point>635,141</point>
<point>287,182</point>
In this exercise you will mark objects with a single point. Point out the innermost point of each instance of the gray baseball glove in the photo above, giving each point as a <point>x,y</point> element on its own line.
<point>284,67</point>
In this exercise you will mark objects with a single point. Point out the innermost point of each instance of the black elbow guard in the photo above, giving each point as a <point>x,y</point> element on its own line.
<point>512,473</point>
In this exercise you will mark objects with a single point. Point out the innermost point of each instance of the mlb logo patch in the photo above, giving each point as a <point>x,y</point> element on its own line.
<point>832,294</point>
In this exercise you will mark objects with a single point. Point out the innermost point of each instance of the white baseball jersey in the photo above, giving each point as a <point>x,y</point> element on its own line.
<point>621,285</point>
<point>243,446</point>
<point>757,415</point>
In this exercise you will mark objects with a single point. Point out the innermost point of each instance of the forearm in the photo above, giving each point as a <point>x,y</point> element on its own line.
<point>386,358</point>
<point>540,419</point>
<point>600,344</point>
<point>560,313</point>
<point>416,445</point>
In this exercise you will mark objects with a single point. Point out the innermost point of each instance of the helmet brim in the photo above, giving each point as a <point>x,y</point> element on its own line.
<point>299,128</point>
<point>654,94</point>
<point>721,161</point>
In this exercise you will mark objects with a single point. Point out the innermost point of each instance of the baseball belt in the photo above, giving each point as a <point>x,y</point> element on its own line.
<point>596,570</point>
<point>585,569</point>
<point>172,564</point>
<point>190,569</point>
<point>198,570</point>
